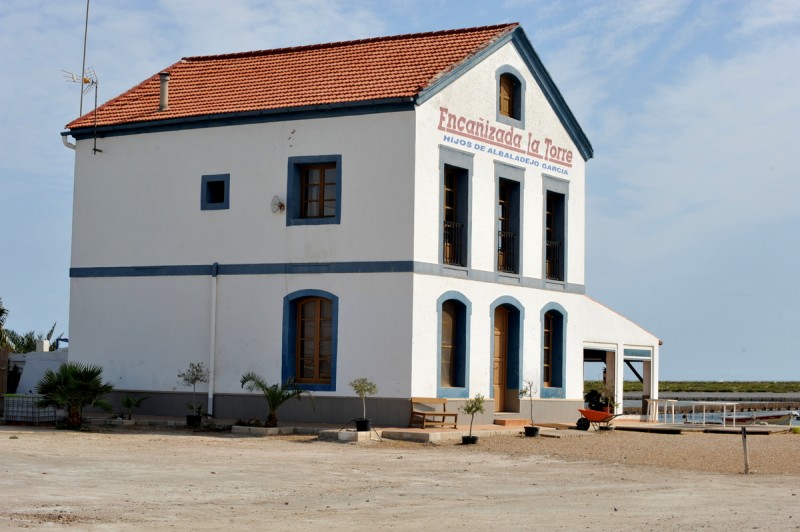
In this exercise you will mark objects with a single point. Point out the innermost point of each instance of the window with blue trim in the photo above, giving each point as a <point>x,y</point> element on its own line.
<point>314,190</point>
<point>314,344</point>
<point>553,350</point>
<point>310,323</point>
<point>510,96</point>
<point>454,342</point>
<point>455,230</point>
<point>215,192</point>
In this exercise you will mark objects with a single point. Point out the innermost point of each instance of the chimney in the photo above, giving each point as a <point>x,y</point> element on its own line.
<point>163,95</point>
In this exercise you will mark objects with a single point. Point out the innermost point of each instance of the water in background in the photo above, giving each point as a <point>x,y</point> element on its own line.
<point>711,417</point>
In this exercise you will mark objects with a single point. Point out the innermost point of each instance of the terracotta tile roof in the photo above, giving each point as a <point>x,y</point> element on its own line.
<point>342,72</point>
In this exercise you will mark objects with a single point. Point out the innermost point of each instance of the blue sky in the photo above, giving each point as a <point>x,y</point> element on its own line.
<point>693,109</point>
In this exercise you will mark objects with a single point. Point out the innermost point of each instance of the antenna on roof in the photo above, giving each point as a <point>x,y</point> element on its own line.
<point>88,82</point>
<point>83,63</point>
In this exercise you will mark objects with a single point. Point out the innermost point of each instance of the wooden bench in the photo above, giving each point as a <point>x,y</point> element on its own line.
<point>432,417</point>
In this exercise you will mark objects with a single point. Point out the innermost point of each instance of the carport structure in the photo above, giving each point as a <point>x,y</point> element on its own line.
<point>616,357</point>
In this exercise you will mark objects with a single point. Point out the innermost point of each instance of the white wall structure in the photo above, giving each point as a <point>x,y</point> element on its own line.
<point>451,261</point>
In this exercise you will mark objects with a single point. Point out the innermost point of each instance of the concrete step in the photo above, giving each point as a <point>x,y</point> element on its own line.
<point>511,422</point>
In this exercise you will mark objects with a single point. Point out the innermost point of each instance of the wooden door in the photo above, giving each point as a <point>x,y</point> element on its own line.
<point>500,357</point>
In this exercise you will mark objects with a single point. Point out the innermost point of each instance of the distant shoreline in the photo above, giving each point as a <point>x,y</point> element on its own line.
<point>777,388</point>
<point>772,397</point>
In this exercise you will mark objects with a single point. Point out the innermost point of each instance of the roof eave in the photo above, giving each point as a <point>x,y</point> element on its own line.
<point>222,119</point>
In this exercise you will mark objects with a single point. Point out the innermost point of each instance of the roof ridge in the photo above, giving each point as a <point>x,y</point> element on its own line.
<point>320,46</point>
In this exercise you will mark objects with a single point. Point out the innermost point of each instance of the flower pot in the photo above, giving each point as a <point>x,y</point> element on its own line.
<point>362,424</point>
<point>469,440</point>
<point>193,420</point>
<point>531,431</point>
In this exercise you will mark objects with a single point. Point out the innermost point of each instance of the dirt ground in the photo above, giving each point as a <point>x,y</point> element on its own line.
<point>130,479</point>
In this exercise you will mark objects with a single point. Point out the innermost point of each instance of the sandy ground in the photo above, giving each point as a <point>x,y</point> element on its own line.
<point>130,479</point>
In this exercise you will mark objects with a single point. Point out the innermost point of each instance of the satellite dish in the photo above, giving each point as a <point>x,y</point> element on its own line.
<point>277,204</point>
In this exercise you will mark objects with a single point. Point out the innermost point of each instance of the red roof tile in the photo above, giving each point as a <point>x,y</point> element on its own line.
<point>343,72</point>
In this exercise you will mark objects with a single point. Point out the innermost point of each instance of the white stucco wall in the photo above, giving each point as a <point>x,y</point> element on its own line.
<point>587,322</point>
<point>144,330</point>
<point>138,202</point>
<point>474,96</point>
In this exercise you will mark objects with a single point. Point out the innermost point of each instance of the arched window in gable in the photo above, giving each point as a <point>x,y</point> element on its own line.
<point>510,96</point>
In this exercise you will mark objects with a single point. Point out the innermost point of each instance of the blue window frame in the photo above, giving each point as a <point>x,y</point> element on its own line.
<point>452,370</point>
<point>215,192</point>
<point>553,351</point>
<point>510,96</point>
<point>314,190</point>
<point>310,338</point>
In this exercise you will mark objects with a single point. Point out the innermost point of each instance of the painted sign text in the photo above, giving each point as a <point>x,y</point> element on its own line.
<point>520,145</point>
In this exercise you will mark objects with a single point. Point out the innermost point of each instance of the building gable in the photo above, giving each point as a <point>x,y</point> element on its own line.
<point>539,73</point>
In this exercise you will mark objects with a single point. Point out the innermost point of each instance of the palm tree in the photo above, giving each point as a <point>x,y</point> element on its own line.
<point>131,403</point>
<point>6,344</point>
<point>72,387</point>
<point>275,394</point>
<point>26,343</point>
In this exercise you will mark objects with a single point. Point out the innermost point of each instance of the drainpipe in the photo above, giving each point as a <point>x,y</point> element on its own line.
<point>213,338</point>
<point>67,143</point>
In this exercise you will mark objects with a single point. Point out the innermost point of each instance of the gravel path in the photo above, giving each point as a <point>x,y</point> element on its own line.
<point>140,478</point>
<point>776,454</point>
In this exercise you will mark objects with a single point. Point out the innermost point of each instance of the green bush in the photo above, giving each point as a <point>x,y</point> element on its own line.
<point>72,387</point>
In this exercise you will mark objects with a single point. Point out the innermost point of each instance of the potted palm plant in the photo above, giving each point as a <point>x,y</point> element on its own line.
<point>527,391</point>
<point>275,394</point>
<point>194,374</point>
<point>363,387</point>
<point>472,407</point>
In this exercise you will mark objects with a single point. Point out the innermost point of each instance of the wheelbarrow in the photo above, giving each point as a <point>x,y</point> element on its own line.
<point>594,418</point>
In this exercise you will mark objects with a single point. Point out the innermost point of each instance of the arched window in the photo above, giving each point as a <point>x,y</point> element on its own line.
<point>509,93</point>
<point>453,347</point>
<point>510,96</point>
<point>553,350</point>
<point>309,339</point>
<point>313,347</point>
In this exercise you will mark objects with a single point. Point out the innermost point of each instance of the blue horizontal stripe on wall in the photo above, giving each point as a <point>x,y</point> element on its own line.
<point>142,271</point>
<point>299,268</point>
<point>245,269</point>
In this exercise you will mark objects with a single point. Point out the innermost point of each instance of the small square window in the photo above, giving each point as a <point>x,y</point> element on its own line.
<point>215,192</point>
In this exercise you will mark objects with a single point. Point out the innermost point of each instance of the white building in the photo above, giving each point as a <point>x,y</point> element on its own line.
<point>409,209</point>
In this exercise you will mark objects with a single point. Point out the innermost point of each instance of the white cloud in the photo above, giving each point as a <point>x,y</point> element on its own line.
<point>707,153</point>
<point>758,17</point>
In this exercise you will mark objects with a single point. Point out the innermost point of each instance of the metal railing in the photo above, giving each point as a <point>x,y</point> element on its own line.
<point>507,251</point>
<point>453,243</point>
<point>553,261</point>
